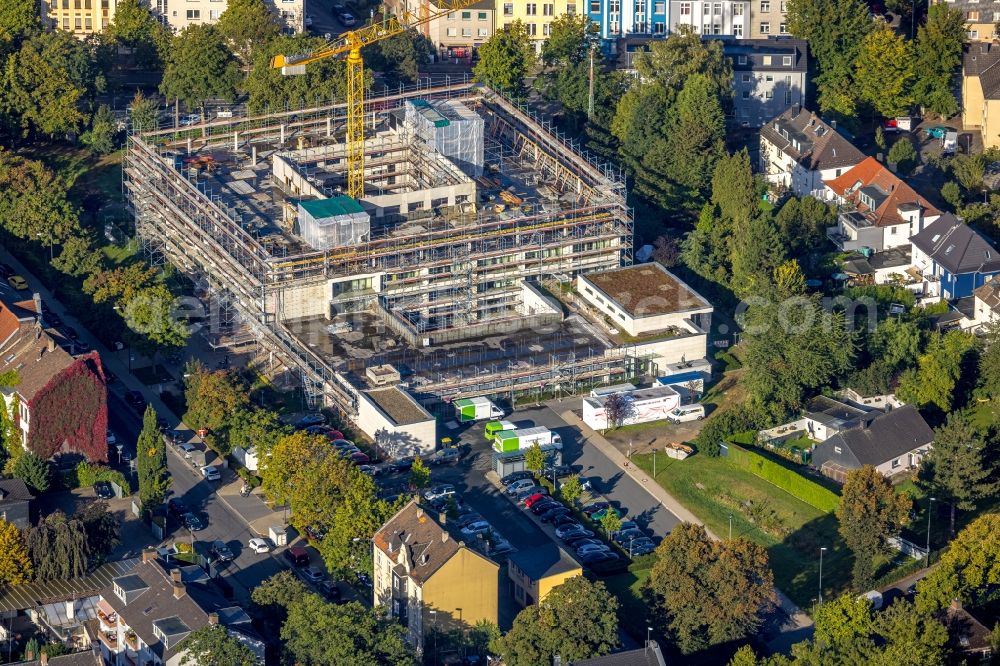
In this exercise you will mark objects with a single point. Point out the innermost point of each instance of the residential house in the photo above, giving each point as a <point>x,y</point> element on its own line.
<point>711,17</point>
<point>799,152</point>
<point>80,17</point>
<point>50,382</point>
<point>769,76</point>
<point>986,305</point>
<point>535,571</point>
<point>15,503</point>
<point>981,91</point>
<point>980,18</point>
<point>953,258</point>
<point>877,211</point>
<point>822,418</point>
<point>649,308</point>
<point>969,638</point>
<point>428,579</point>
<point>627,18</point>
<point>768,18</point>
<point>145,615</point>
<point>179,14</point>
<point>456,34</point>
<point>649,655</point>
<point>892,442</point>
<point>84,658</point>
<point>892,266</point>
<point>537,15</point>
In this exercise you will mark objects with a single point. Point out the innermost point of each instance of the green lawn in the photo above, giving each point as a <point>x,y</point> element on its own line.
<point>714,490</point>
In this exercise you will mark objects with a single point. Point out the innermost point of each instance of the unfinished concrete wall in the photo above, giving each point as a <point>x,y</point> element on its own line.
<point>293,182</point>
<point>309,300</point>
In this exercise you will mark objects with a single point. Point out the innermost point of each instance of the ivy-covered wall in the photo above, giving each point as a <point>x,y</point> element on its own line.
<point>70,413</point>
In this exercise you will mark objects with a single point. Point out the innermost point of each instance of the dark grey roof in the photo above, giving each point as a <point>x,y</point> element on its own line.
<point>957,247</point>
<point>14,490</point>
<point>980,59</point>
<point>646,656</point>
<point>877,440</point>
<point>748,54</point>
<point>131,583</point>
<point>545,560</point>
<point>32,595</point>
<point>87,658</point>
<point>811,142</point>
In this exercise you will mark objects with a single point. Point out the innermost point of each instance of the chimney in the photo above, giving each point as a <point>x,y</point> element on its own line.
<point>37,298</point>
<point>556,660</point>
<point>148,555</point>
<point>175,581</point>
<point>43,659</point>
<point>956,604</point>
<point>213,619</point>
<point>420,513</point>
<point>51,346</point>
<point>443,518</point>
<point>444,536</point>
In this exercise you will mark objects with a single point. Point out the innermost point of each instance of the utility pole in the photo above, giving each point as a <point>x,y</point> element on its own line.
<point>590,93</point>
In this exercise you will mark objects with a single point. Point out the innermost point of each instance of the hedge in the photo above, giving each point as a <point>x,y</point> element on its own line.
<point>788,480</point>
<point>88,474</point>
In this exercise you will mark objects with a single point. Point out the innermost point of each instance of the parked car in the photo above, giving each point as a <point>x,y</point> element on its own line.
<point>522,495</point>
<point>193,522</point>
<point>562,519</point>
<point>190,119</point>
<point>211,473</point>
<point>575,542</point>
<point>540,507</point>
<point>627,525</point>
<point>222,552</point>
<point>314,533</point>
<point>625,536</point>
<point>572,529</point>
<point>297,556</point>
<point>359,458</point>
<point>476,528</point>
<point>177,507</point>
<point>598,516</point>
<point>259,545</point>
<point>17,282</point>
<point>436,492</point>
<point>687,413</point>
<point>552,513</point>
<point>311,419</point>
<point>445,456</point>
<point>533,499</point>
<point>559,471</point>
<point>314,575</point>
<point>339,6</point>
<point>401,465</point>
<point>348,20</point>
<point>594,507</point>
<point>514,477</point>
<point>329,589</point>
<point>187,449</point>
<point>112,440</point>
<point>370,470</point>
<point>598,557</point>
<point>103,490</point>
<point>135,400</point>
<point>467,518</point>
<point>585,548</point>
<point>319,430</point>
<point>642,546</point>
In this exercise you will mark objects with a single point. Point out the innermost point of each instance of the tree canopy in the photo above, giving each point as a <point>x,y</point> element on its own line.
<point>247,25</point>
<point>267,88</point>
<point>151,461</point>
<point>15,563</point>
<point>576,620</point>
<point>884,72</point>
<point>199,67</point>
<point>937,59</point>
<point>506,59</point>
<point>212,645</point>
<point>968,570</point>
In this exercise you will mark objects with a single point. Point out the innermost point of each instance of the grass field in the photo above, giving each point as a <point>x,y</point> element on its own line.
<point>714,490</point>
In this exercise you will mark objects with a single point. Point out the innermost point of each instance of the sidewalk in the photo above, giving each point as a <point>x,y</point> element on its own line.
<point>798,622</point>
<point>253,509</point>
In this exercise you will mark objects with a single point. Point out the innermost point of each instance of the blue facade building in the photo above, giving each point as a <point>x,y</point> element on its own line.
<point>953,258</point>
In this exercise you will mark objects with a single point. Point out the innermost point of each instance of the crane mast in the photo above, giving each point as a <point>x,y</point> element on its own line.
<point>351,43</point>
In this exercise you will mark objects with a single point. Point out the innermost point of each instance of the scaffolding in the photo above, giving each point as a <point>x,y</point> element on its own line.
<point>443,269</point>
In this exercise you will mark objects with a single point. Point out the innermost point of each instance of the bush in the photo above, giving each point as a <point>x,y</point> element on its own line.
<point>788,480</point>
<point>730,361</point>
<point>903,154</point>
<point>952,193</point>
<point>722,425</point>
<point>88,474</point>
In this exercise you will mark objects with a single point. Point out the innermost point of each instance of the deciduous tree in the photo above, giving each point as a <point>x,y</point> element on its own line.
<point>213,399</point>
<point>802,224</point>
<point>968,571</point>
<point>576,620</point>
<point>938,56</point>
<point>420,474</point>
<point>103,530</point>
<point>18,18</point>
<point>938,370</point>
<point>267,88</point>
<point>101,135</point>
<point>199,67</point>
<point>870,512</point>
<point>15,564</point>
<point>134,26</point>
<point>571,489</point>
<point>756,255</point>
<point>711,591</point>
<point>212,645</point>
<point>58,548</point>
<point>568,41</point>
<point>151,320</point>
<point>884,71</point>
<point>259,428</point>
<point>618,408</point>
<point>400,57</point>
<point>959,469</point>
<point>534,458</point>
<point>247,25</point>
<point>506,59</point>
<point>143,113</point>
<point>151,462</point>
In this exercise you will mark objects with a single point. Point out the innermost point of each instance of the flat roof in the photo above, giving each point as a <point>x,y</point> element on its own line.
<point>546,560</point>
<point>646,289</point>
<point>399,406</point>
<point>332,207</point>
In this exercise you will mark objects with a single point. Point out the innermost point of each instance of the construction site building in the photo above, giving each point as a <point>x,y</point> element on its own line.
<point>471,205</point>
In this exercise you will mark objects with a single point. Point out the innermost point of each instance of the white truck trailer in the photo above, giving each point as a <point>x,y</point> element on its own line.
<point>476,409</point>
<point>507,441</point>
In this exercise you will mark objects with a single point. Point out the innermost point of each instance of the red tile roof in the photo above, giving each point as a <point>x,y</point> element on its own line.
<point>872,173</point>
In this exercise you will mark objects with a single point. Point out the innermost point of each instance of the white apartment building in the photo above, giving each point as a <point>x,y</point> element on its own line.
<point>179,14</point>
<point>711,17</point>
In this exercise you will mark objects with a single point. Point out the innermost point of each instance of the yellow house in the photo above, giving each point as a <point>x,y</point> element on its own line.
<point>80,17</point>
<point>534,572</point>
<point>537,15</point>
<point>981,91</point>
<point>428,579</point>
<point>980,19</point>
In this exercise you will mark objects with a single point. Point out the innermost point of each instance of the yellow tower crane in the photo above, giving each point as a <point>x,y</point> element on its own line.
<point>351,43</point>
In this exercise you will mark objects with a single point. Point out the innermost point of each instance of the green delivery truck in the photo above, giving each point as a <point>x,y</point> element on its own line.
<point>507,441</point>
<point>476,409</point>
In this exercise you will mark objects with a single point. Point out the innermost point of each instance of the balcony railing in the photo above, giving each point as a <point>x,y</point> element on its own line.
<point>110,639</point>
<point>132,640</point>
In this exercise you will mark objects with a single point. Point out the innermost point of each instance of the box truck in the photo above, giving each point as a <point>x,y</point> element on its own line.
<point>476,409</point>
<point>507,441</point>
<point>493,427</point>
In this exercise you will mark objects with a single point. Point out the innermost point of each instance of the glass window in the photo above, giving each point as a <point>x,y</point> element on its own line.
<point>659,7</point>
<point>466,16</point>
<point>738,9</point>
<point>765,28</point>
<point>783,29</point>
<point>786,61</point>
<point>466,32</point>
<point>484,32</point>
<point>532,29</point>
<point>532,9</point>
<point>453,32</point>
<point>717,9</point>
<point>737,30</point>
<point>547,9</point>
<point>685,9</point>
<point>571,9</point>
<point>746,94</point>
<point>482,16</point>
<point>706,9</point>
<point>765,6</point>
<point>746,78</point>
<point>451,16</point>
<point>766,59</point>
<point>546,29</point>
<point>508,9</point>
<point>742,59</point>
<point>595,6</point>
<point>194,15</point>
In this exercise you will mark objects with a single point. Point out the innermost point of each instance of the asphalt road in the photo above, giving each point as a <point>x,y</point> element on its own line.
<point>326,19</point>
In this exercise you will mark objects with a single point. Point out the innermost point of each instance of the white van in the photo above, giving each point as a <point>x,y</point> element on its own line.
<point>687,413</point>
